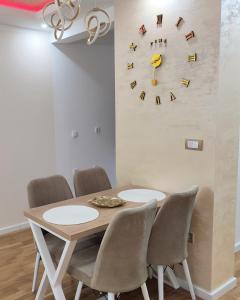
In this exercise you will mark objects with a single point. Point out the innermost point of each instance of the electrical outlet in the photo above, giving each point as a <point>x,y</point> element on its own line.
<point>98,130</point>
<point>193,144</point>
<point>191,237</point>
<point>75,134</point>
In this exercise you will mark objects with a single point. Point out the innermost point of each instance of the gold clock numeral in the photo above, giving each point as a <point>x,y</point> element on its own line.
<point>159,20</point>
<point>158,100</point>
<point>130,66</point>
<point>190,35</point>
<point>133,84</point>
<point>159,42</point>
<point>192,57</point>
<point>133,46</point>
<point>142,29</point>
<point>179,22</point>
<point>142,95</point>
<point>172,96</point>
<point>185,82</point>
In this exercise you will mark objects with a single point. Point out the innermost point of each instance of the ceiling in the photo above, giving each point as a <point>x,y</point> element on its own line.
<point>28,13</point>
<point>20,18</point>
<point>29,5</point>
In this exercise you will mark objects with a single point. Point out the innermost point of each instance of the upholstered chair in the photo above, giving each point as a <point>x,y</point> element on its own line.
<point>169,236</point>
<point>91,181</point>
<point>120,264</point>
<point>46,191</point>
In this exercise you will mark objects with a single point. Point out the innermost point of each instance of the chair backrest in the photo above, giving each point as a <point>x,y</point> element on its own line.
<point>91,181</point>
<point>48,190</point>
<point>169,236</point>
<point>121,263</point>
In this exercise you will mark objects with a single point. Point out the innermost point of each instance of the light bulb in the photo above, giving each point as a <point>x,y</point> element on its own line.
<point>44,26</point>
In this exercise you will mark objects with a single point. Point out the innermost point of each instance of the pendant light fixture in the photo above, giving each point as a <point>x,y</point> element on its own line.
<point>60,15</point>
<point>98,24</point>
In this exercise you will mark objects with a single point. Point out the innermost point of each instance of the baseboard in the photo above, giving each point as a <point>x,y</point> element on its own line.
<point>237,247</point>
<point>213,295</point>
<point>13,228</point>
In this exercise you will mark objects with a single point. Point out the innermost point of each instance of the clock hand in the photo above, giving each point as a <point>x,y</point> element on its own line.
<point>156,63</point>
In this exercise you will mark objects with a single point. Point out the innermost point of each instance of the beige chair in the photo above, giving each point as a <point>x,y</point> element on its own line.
<point>169,236</point>
<point>120,264</point>
<point>46,191</point>
<point>91,181</point>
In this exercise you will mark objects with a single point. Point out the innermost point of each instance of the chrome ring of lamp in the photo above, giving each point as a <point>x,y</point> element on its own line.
<point>60,15</point>
<point>94,26</point>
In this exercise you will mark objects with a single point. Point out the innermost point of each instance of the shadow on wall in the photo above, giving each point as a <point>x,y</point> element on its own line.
<point>92,56</point>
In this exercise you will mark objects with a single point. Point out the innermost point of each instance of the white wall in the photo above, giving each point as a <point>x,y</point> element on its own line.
<point>237,232</point>
<point>26,118</point>
<point>83,81</point>
<point>229,86</point>
<point>232,37</point>
<point>47,89</point>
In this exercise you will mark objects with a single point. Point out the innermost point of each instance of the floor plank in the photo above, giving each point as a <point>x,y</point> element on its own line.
<point>17,256</point>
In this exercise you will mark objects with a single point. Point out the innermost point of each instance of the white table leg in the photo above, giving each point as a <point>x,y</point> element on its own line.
<point>42,287</point>
<point>36,270</point>
<point>55,276</point>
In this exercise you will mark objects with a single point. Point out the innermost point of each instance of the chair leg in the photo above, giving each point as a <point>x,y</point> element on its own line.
<point>145,292</point>
<point>111,296</point>
<point>79,290</point>
<point>189,280</point>
<point>160,283</point>
<point>172,278</point>
<point>35,274</point>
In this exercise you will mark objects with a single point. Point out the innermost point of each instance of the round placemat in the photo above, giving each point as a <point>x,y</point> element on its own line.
<point>70,215</point>
<point>141,195</point>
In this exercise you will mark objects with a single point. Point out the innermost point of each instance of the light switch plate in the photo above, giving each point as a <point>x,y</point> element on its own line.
<point>97,130</point>
<point>74,134</point>
<point>193,144</point>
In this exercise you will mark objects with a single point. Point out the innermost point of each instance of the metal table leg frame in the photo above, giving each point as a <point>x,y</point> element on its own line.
<point>42,287</point>
<point>55,276</point>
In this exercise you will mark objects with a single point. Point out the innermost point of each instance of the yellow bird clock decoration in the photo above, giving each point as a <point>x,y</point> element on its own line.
<point>156,62</point>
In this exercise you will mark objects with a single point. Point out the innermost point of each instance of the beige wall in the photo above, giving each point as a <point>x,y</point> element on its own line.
<point>26,118</point>
<point>230,88</point>
<point>150,139</point>
<point>227,116</point>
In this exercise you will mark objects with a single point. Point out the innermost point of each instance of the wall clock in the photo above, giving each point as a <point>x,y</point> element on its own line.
<point>157,59</point>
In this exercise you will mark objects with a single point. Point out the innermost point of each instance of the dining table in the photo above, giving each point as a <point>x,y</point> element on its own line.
<point>70,234</point>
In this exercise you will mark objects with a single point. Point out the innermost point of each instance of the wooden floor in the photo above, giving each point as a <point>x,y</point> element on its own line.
<point>17,256</point>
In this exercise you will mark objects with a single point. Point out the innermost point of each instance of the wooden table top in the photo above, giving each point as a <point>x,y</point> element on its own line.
<point>76,232</point>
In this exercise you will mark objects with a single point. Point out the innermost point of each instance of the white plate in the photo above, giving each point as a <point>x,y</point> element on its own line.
<point>141,195</point>
<point>70,215</point>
